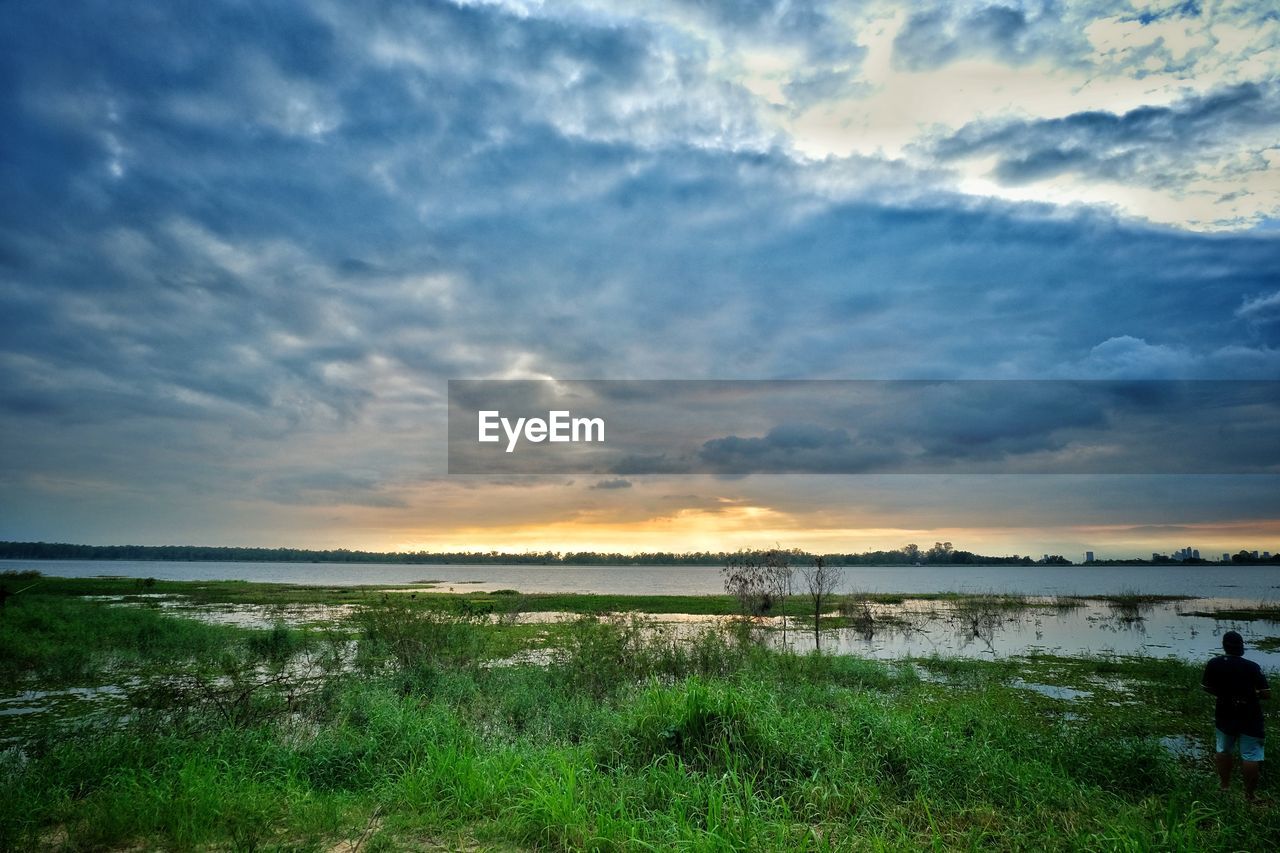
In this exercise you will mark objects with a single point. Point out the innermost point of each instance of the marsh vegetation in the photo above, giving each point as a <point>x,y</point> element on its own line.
<point>413,721</point>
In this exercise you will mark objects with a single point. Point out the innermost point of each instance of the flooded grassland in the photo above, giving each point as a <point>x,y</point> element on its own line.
<point>237,715</point>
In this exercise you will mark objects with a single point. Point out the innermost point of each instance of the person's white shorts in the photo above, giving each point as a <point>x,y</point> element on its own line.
<point>1250,746</point>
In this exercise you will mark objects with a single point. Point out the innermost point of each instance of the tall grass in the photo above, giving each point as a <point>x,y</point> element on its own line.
<point>61,640</point>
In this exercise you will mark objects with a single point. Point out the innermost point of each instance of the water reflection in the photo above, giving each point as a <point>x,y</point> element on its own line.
<point>243,615</point>
<point>996,626</point>
<point>981,617</point>
<point>1183,746</point>
<point>974,626</point>
<point>1053,691</point>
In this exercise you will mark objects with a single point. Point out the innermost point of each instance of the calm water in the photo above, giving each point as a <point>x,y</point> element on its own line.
<point>1245,584</point>
<point>1166,629</point>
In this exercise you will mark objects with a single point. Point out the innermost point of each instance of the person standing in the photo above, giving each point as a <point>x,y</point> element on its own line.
<point>1239,686</point>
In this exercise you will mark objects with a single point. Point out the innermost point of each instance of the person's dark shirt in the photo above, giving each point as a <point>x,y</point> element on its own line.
<point>1235,682</point>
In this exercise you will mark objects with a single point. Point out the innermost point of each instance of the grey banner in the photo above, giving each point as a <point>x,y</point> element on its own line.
<point>737,427</point>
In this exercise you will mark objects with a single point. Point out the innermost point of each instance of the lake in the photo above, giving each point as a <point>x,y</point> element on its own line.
<point>1246,584</point>
<point>913,628</point>
<point>923,628</point>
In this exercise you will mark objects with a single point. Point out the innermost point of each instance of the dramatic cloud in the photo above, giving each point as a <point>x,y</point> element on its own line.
<point>1232,128</point>
<point>241,252</point>
<point>608,485</point>
<point>1262,309</point>
<point>1015,34</point>
<point>794,448</point>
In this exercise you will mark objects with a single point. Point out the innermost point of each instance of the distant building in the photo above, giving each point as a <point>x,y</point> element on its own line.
<point>1195,555</point>
<point>1266,555</point>
<point>1226,558</point>
<point>1255,555</point>
<point>1088,556</point>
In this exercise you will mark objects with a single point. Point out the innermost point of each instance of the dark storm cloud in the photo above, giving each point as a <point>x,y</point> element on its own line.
<point>813,24</point>
<point>1012,33</point>
<point>610,485</point>
<point>327,488</point>
<point>796,448</point>
<point>1018,33</point>
<point>1262,309</point>
<point>1188,9</point>
<point>818,31</point>
<point>1151,145</point>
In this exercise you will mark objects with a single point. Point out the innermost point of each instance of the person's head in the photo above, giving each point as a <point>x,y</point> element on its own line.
<point>1232,643</point>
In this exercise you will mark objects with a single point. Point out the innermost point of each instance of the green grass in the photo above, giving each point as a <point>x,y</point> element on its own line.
<point>63,640</point>
<point>1265,611</point>
<point>1135,599</point>
<point>200,592</point>
<point>627,737</point>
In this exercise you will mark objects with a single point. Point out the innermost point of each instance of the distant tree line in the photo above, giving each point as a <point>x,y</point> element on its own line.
<point>942,553</point>
<point>206,553</point>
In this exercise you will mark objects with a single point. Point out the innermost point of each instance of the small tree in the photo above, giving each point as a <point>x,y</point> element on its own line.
<point>778,573</point>
<point>760,580</point>
<point>820,580</point>
<point>941,552</point>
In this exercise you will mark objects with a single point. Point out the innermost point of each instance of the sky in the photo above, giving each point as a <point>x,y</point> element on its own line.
<point>244,248</point>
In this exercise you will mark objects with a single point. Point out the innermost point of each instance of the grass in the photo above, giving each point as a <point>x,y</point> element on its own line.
<point>1132,598</point>
<point>198,592</point>
<point>406,731</point>
<point>64,640</point>
<point>1264,611</point>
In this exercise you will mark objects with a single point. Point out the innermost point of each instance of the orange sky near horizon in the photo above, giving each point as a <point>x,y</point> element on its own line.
<point>754,527</point>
